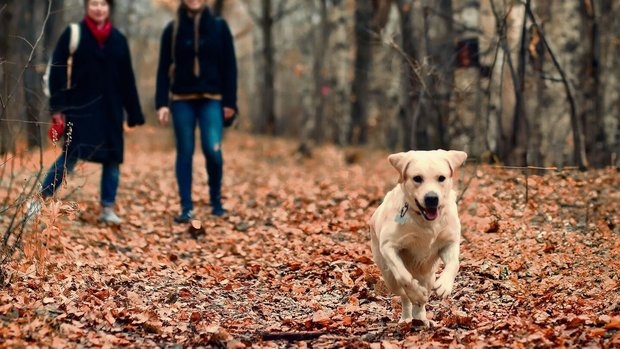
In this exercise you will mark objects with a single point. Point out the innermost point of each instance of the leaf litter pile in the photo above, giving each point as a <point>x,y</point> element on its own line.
<point>291,263</point>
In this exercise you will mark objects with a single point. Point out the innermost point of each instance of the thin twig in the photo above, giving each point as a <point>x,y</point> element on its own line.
<point>464,190</point>
<point>292,336</point>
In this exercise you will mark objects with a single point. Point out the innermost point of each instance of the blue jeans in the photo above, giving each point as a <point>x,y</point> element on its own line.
<point>207,114</point>
<point>109,178</point>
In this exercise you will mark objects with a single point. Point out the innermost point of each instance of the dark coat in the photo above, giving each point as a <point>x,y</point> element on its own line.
<point>102,85</point>
<point>216,56</point>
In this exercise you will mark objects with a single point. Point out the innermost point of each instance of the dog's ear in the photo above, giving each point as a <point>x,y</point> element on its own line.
<point>456,158</point>
<point>400,163</point>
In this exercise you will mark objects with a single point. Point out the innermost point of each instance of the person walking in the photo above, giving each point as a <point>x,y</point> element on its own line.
<point>89,89</point>
<point>197,84</point>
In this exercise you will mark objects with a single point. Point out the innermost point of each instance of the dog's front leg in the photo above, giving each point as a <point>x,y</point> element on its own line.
<point>412,288</point>
<point>450,257</point>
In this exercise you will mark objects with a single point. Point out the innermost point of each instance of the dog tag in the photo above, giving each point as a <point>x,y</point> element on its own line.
<point>401,217</point>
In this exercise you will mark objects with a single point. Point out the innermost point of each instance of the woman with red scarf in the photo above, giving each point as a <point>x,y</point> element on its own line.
<point>89,98</point>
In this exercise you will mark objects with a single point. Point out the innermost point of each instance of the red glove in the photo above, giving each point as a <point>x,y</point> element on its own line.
<point>57,129</point>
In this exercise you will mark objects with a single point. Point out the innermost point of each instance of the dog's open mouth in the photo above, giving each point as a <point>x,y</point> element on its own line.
<point>429,213</point>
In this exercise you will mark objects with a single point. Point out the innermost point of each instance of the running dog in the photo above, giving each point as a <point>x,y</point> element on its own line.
<point>416,225</point>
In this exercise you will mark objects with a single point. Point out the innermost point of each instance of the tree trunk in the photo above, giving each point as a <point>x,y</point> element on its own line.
<point>440,49</point>
<point>313,128</point>
<point>535,91</point>
<point>568,74</point>
<point>597,147</point>
<point>267,100</point>
<point>611,79</point>
<point>7,144</point>
<point>518,137</point>
<point>409,84</point>
<point>32,21</point>
<point>358,132</point>
<point>317,70</point>
<point>466,127</point>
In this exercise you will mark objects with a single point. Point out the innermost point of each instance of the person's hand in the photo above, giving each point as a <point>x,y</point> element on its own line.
<point>163,114</point>
<point>57,128</point>
<point>229,113</point>
<point>58,118</point>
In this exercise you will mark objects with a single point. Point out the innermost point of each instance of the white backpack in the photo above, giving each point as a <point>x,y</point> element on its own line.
<point>74,40</point>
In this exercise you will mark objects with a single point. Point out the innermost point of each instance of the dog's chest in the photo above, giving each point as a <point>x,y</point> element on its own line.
<point>419,247</point>
<point>418,258</point>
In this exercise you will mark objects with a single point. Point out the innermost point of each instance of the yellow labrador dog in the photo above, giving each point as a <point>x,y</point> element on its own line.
<point>415,226</point>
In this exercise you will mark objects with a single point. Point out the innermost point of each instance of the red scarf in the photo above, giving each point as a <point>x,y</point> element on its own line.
<point>101,34</point>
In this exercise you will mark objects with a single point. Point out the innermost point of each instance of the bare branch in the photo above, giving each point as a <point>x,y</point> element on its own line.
<point>415,66</point>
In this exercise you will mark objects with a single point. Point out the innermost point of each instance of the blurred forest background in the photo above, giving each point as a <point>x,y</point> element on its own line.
<point>516,82</point>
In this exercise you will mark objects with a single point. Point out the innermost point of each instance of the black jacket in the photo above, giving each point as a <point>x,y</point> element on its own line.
<point>102,85</point>
<point>216,56</point>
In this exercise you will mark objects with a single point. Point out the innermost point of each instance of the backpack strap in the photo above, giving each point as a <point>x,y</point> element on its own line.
<point>74,40</point>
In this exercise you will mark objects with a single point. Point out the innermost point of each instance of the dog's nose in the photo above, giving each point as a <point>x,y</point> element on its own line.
<point>431,200</point>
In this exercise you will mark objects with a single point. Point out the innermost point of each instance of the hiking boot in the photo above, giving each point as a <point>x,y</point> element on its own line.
<point>184,217</point>
<point>109,216</point>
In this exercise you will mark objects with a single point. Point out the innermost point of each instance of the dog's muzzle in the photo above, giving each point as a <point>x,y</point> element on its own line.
<point>430,210</point>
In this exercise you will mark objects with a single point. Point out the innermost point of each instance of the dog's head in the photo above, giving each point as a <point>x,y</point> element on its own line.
<point>426,178</point>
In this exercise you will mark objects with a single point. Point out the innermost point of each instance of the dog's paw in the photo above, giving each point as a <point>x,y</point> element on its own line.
<point>404,320</point>
<point>443,286</point>
<point>417,293</point>
<point>417,323</point>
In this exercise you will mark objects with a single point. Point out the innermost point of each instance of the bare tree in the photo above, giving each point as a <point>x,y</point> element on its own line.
<point>33,94</point>
<point>409,85</point>
<point>593,112</point>
<point>358,132</point>
<point>518,137</point>
<point>13,207</point>
<point>312,127</point>
<point>6,18</point>
<point>440,51</point>
<point>267,101</point>
<point>611,84</point>
<point>265,117</point>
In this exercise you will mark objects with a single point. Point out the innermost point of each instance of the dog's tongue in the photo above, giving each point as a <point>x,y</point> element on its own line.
<point>431,213</point>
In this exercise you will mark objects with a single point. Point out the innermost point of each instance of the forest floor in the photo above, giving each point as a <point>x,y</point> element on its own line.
<point>291,263</point>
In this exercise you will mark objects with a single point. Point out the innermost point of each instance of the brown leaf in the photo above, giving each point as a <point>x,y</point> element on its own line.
<point>613,325</point>
<point>109,318</point>
<point>103,294</point>
<point>184,293</point>
<point>195,316</point>
<point>322,317</point>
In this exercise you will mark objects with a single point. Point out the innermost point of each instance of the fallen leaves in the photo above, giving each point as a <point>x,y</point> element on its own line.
<point>292,263</point>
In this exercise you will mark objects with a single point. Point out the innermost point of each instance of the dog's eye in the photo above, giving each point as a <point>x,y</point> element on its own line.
<point>417,179</point>
<point>441,178</point>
